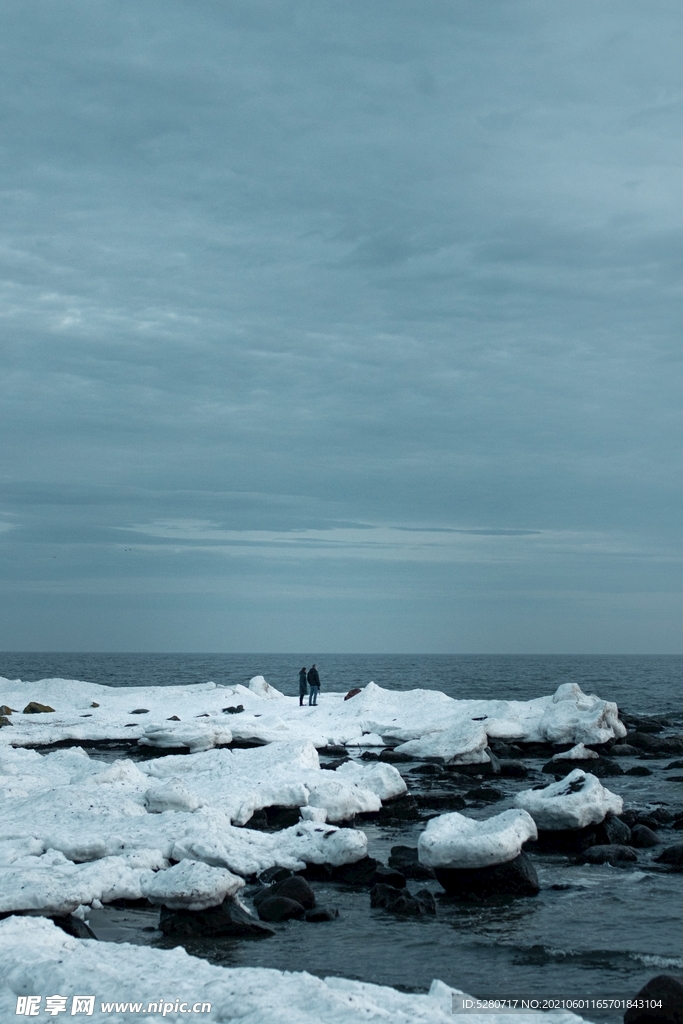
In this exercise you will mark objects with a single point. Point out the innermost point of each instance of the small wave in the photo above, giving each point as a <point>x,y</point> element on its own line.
<point>652,960</point>
<point>540,954</point>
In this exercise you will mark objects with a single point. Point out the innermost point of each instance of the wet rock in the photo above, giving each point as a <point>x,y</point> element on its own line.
<point>392,757</point>
<point>74,926</point>
<point>295,888</point>
<point>139,711</point>
<point>5,709</point>
<point>403,808</point>
<point>672,856</point>
<point>280,908</point>
<point>274,818</point>
<point>488,794</point>
<point>389,876</point>
<point>227,919</point>
<point>502,749</point>
<point>4,720</point>
<point>360,873</point>
<point>513,769</point>
<point>629,817</point>
<point>427,769</point>
<point>613,831</point>
<point>173,718</point>
<point>514,878</point>
<point>353,693</point>
<point>405,860</point>
<point>332,766</point>
<point>665,988</point>
<point>333,750</point>
<point>678,824</point>
<point>643,837</point>
<point>258,820</point>
<point>663,815</point>
<point>638,769</point>
<point>440,801</point>
<point>674,764</point>
<point>34,708</point>
<point>601,767</point>
<point>400,901</point>
<point>623,750</point>
<point>319,914</point>
<point>614,855</point>
<point>656,744</point>
<point>368,755</point>
<point>571,841</point>
<point>273,875</point>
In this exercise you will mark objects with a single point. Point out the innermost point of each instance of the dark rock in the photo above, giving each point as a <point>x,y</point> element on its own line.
<point>139,711</point>
<point>440,801</point>
<point>515,878</point>
<point>501,749</point>
<point>613,831</point>
<point>648,820</point>
<point>360,873</point>
<point>279,908</point>
<point>571,841</point>
<point>405,860</point>
<point>656,744</point>
<point>5,709</point>
<point>623,750</point>
<point>392,757</point>
<point>638,769</point>
<point>674,764</point>
<point>227,919</point>
<point>513,769</point>
<point>74,926</point>
<point>673,856</point>
<point>319,872</point>
<point>665,988</point>
<point>94,704</point>
<point>615,855</point>
<point>663,815</point>
<point>629,817</point>
<point>675,778</point>
<point>489,794</point>
<point>388,876</point>
<point>333,751</point>
<point>403,807</point>
<point>4,720</point>
<point>258,820</point>
<point>678,824</point>
<point>353,693</point>
<point>173,718</point>
<point>400,901</point>
<point>282,817</point>
<point>332,766</point>
<point>642,837</point>
<point>273,875</point>
<point>426,899</point>
<point>295,888</point>
<point>368,755</point>
<point>427,769</point>
<point>234,709</point>
<point>34,708</point>
<point>204,714</point>
<point>321,914</point>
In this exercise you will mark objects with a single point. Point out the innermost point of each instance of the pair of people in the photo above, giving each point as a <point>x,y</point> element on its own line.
<point>312,679</point>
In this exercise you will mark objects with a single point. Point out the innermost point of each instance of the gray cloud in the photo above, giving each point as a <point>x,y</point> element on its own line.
<point>302,272</point>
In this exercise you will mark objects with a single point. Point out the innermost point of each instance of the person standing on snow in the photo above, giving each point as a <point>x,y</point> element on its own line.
<point>303,687</point>
<point>314,683</point>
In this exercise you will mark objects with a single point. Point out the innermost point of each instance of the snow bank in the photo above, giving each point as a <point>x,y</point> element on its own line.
<point>455,841</point>
<point>77,829</point>
<point>37,957</point>
<point>575,802</point>
<point>190,885</point>
<point>199,717</point>
<point>578,753</point>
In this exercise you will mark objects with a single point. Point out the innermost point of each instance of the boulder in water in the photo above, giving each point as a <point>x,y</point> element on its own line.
<point>34,708</point>
<point>280,908</point>
<point>614,855</point>
<point>672,856</point>
<point>400,901</point>
<point>643,837</point>
<point>666,989</point>
<point>405,860</point>
<point>230,918</point>
<point>471,885</point>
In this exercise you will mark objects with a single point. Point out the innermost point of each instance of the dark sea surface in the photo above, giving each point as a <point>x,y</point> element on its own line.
<point>648,684</point>
<point>592,932</point>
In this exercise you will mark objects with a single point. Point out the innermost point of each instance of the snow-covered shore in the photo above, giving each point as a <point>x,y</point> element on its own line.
<point>422,723</point>
<point>36,958</point>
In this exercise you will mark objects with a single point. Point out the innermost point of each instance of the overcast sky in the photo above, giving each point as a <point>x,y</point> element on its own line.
<point>341,326</point>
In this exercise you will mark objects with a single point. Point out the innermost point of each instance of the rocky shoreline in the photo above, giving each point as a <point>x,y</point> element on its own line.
<point>207,883</point>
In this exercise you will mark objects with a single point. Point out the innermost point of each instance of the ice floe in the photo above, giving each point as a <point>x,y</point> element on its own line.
<point>423,723</point>
<point>576,801</point>
<point>37,957</point>
<point>190,885</point>
<point>456,841</point>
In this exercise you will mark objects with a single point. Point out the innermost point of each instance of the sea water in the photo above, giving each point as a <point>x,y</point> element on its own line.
<point>592,932</point>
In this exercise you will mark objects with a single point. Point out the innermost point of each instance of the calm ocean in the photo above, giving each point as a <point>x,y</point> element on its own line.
<point>592,931</point>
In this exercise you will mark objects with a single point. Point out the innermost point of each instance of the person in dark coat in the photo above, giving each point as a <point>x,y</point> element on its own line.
<point>303,686</point>
<point>314,683</point>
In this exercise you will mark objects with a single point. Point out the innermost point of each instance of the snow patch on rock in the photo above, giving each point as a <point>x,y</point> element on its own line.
<point>456,841</point>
